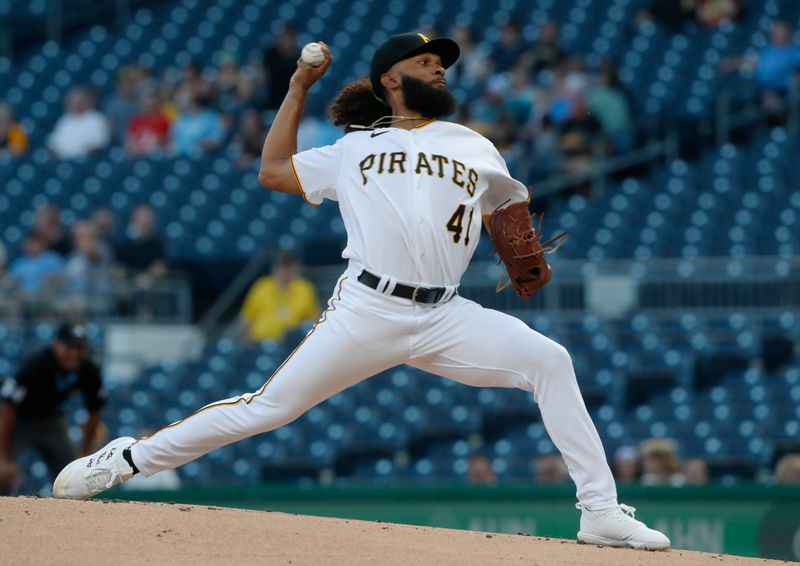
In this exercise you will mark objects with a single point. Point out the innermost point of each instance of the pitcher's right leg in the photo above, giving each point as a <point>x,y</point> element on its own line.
<point>349,343</point>
<point>332,357</point>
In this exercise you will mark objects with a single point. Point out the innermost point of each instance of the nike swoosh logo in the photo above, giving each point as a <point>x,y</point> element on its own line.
<point>376,134</point>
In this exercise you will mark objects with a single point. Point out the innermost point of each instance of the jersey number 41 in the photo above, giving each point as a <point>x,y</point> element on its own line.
<point>456,224</point>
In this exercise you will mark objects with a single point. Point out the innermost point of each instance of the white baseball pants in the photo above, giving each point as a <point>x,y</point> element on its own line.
<point>363,332</point>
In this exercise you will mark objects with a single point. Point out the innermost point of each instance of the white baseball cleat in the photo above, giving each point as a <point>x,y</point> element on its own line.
<point>617,527</point>
<point>90,475</point>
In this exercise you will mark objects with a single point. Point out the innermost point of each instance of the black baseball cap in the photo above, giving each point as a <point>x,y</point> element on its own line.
<point>72,335</point>
<point>405,45</point>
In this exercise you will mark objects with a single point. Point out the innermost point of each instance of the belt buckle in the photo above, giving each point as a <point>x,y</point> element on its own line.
<point>436,294</point>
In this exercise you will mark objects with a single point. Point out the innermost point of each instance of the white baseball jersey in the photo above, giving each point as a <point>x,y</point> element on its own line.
<point>411,200</point>
<point>412,204</point>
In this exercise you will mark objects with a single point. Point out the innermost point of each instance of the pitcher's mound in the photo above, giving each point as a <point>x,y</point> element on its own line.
<point>49,531</point>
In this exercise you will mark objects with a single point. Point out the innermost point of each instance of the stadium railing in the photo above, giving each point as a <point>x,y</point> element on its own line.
<point>760,287</point>
<point>727,118</point>
<point>664,150</point>
<point>167,300</point>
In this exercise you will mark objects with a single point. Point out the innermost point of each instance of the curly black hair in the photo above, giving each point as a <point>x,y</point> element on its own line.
<point>356,104</point>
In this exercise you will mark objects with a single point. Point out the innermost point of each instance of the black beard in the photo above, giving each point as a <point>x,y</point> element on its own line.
<point>429,101</point>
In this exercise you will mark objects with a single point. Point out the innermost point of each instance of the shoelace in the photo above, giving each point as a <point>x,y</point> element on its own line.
<point>99,480</point>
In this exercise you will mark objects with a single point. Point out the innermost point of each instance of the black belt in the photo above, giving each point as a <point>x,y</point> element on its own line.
<point>427,295</point>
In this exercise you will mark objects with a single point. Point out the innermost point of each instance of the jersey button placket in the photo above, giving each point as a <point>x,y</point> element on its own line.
<point>415,204</point>
<point>421,229</point>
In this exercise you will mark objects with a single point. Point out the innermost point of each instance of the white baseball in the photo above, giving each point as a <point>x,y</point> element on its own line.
<point>312,54</point>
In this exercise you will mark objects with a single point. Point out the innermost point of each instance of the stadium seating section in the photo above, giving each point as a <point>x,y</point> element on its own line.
<point>641,377</point>
<point>212,210</point>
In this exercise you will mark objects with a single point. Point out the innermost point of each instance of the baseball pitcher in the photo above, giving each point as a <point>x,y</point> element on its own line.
<point>413,190</point>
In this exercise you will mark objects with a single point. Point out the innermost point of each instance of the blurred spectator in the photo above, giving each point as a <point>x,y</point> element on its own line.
<point>280,62</point>
<point>88,273</point>
<point>571,83</point>
<point>473,64</point>
<point>38,267</point>
<point>508,51</point>
<point>122,106</point>
<point>485,112</point>
<point>89,242</point>
<point>577,138</point>
<point>250,138</point>
<point>13,139</point>
<point>105,226</point>
<point>545,53</point>
<point>776,66</point>
<point>787,470</point>
<point>234,88</point>
<point>521,97</point>
<point>779,62</point>
<point>609,105</point>
<point>280,302</point>
<point>480,471</point>
<point>226,83</point>
<point>544,158</point>
<point>503,135</point>
<point>711,13</point>
<point>148,130</point>
<point>575,77</point>
<point>626,464</point>
<point>47,227</point>
<point>192,83</point>
<point>660,462</point>
<point>559,104</point>
<point>142,257</point>
<point>695,471</point>
<point>199,128</point>
<point>81,130</point>
<point>550,470</point>
<point>143,252</point>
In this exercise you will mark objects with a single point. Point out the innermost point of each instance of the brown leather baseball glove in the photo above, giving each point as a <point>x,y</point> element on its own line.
<point>520,249</point>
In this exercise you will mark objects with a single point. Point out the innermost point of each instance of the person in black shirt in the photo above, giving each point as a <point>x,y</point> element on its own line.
<point>509,50</point>
<point>280,63</point>
<point>143,253</point>
<point>141,260</point>
<point>30,415</point>
<point>545,54</point>
<point>47,226</point>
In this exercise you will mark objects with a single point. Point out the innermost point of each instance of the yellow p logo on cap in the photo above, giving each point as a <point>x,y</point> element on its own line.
<point>425,39</point>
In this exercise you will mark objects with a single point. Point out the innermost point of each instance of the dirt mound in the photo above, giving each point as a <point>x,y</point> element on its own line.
<point>48,531</point>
